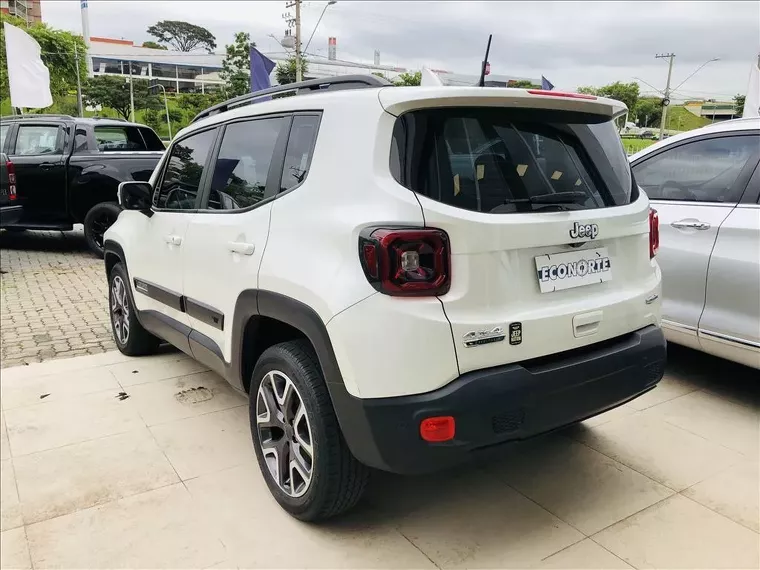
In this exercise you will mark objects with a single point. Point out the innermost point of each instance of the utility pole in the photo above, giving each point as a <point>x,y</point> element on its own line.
<point>666,96</point>
<point>80,110</point>
<point>298,40</point>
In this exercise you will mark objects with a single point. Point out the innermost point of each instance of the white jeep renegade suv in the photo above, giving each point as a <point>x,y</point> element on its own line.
<point>397,276</point>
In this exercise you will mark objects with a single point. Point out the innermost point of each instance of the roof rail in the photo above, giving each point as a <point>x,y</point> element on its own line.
<point>109,119</point>
<point>34,116</point>
<point>301,88</point>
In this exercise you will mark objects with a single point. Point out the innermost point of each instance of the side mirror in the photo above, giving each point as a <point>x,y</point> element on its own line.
<point>136,196</point>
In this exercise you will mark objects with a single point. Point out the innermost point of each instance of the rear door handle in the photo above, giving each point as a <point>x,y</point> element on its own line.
<point>173,240</point>
<point>47,165</point>
<point>241,247</point>
<point>696,225</point>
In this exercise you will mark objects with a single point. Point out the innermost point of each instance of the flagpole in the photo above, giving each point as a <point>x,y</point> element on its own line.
<point>79,83</point>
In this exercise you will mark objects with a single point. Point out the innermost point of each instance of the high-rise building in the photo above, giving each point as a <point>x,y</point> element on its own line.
<point>29,10</point>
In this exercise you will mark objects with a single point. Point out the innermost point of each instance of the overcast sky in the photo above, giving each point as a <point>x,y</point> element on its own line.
<point>571,43</point>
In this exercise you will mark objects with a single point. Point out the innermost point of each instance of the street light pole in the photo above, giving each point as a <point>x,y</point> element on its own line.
<point>166,106</point>
<point>131,94</point>
<point>330,3</point>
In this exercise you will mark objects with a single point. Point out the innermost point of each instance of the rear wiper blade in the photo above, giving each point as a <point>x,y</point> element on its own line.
<point>556,198</point>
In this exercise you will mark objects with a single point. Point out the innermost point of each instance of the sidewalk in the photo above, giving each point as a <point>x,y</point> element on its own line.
<point>113,462</point>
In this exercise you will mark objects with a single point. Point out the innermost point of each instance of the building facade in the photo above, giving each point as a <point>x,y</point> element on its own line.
<point>181,72</point>
<point>29,10</point>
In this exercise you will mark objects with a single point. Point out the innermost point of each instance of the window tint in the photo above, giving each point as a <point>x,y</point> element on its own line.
<point>39,139</point>
<point>503,161</point>
<point>241,170</point>
<point>118,138</point>
<point>3,135</point>
<point>184,170</point>
<point>700,171</point>
<point>303,133</point>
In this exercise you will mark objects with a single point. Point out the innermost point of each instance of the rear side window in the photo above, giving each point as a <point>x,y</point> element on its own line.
<point>39,139</point>
<point>700,171</point>
<point>504,160</point>
<point>303,133</point>
<point>184,171</point>
<point>242,167</point>
<point>125,138</point>
<point>3,135</point>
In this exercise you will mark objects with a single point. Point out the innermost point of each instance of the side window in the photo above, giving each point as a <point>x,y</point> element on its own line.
<point>182,177</point>
<point>242,167</point>
<point>303,133</point>
<point>80,140</point>
<point>39,139</point>
<point>701,171</point>
<point>3,135</point>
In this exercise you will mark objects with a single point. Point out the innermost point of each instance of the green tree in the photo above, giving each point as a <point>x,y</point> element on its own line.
<point>523,84</point>
<point>647,111</point>
<point>57,47</point>
<point>183,36</point>
<point>628,93</point>
<point>236,67</point>
<point>194,103</point>
<point>286,72</point>
<point>153,45</point>
<point>113,92</point>
<point>154,118</point>
<point>739,102</point>
<point>409,79</point>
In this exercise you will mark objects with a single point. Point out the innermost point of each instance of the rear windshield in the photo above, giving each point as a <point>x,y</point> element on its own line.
<point>510,160</point>
<point>120,138</point>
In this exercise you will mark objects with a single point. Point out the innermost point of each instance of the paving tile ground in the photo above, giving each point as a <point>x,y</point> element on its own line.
<point>156,480</point>
<point>53,298</point>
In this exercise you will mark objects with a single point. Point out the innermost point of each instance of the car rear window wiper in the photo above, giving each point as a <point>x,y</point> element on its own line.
<point>555,198</point>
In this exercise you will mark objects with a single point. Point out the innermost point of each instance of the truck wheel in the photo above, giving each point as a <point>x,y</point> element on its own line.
<point>97,221</point>
<point>131,338</point>
<point>301,452</point>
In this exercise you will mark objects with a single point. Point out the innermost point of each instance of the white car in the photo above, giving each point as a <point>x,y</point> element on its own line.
<point>705,186</point>
<point>398,277</point>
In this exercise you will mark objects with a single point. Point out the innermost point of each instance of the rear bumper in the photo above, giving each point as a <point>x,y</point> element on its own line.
<point>502,404</point>
<point>10,215</point>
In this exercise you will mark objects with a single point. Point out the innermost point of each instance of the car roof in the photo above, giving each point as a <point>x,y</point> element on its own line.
<point>734,125</point>
<point>396,99</point>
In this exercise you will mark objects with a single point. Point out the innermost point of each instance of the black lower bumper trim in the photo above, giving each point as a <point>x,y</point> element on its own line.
<point>502,404</point>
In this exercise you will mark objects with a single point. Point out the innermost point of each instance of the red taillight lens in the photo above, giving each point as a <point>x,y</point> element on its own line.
<point>654,232</point>
<point>438,429</point>
<point>561,94</point>
<point>406,262</point>
<point>11,180</point>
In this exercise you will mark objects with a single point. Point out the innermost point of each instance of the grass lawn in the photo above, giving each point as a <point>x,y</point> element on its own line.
<point>679,119</point>
<point>635,145</point>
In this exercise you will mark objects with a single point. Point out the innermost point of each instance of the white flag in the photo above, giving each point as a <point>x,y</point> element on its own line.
<point>28,77</point>
<point>430,78</point>
<point>752,102</point>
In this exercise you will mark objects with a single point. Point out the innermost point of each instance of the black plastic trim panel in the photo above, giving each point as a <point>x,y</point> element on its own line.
<point>204,313</point>
<point>160,294</point>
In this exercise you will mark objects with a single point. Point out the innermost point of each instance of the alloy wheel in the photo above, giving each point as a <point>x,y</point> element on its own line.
<point>285,433</point>
<point>120,310</point>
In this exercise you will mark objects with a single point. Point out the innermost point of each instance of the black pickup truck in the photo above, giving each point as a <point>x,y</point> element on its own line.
<point>68,169</point>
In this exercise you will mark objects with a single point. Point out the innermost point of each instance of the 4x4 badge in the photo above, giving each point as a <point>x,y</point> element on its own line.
<point>584,231</point>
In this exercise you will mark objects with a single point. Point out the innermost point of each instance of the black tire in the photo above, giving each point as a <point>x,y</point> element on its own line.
<point>97,221</point>
<point>138,341</point>
<point>338,480</point>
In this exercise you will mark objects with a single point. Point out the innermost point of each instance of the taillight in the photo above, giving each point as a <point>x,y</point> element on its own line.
<point>654,232</point>
<point>561,94</point>
<point>406,261</point>
<point>11,180</point>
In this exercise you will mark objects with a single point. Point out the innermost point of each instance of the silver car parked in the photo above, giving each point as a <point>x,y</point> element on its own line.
<point>705,185</point>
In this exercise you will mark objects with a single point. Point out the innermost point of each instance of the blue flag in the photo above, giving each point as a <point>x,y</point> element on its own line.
<point>546,85</point>
<point>261,67</point>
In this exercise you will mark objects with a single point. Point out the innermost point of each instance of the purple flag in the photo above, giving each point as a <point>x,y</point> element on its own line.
<point>261,67</point>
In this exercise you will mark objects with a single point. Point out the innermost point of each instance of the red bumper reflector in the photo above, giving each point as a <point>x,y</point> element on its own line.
<point>437,429</point>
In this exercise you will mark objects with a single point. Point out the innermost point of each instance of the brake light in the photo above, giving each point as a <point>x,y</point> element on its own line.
<point>561,94</point>
<point>438,429</point>
<point>406,261</point>
<point>11,180</point>
<point>654,232</point>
